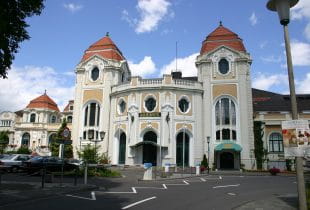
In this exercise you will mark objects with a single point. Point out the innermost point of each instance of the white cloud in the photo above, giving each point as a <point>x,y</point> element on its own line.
<point>263,44</point>
<point>26,83</point>
<point>186,65</point>
<point>272,59</point>
<point>307,31</point>
<point>304,85</point>
<point>151,12</point>
<point>300,53</point>
<point>301,10</point>
<point>143,68</point>
<point>265,82</point>
<point>73,7</point>
<point>253,19</point>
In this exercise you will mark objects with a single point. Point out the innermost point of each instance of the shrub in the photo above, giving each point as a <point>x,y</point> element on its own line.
<point>204,161</point>
<point>23,150</point>
<point>274,171</point>
<point>288,164</point>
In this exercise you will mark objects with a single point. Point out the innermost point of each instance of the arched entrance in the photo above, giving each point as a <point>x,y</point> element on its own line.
<point>26,140</point>
<point>227,160</point>
<point>179,148</point>
<point>150,150</point>
<point>122,149</point>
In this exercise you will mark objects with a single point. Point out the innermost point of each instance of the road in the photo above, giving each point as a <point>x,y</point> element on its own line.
<point>207,192</point>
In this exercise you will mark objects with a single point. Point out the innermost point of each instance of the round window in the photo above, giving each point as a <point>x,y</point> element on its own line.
<point>95,74</point>
<point>150,104</point>
<point>223,66</point>
<point>122,107</point>
<point>183,105</point>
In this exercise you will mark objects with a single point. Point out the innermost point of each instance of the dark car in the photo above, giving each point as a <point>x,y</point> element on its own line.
<point>51,164</point>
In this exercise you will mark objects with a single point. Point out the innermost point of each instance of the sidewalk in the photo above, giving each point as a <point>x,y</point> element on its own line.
<point>289,202</point>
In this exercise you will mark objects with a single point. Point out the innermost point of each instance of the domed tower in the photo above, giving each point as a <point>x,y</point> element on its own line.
<point>224,69</point>
<point>102,66</point>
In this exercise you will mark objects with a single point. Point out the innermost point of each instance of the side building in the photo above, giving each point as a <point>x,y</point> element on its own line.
<point>35,126</point>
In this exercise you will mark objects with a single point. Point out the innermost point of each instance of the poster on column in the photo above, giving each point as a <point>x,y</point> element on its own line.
<point>296,138</point>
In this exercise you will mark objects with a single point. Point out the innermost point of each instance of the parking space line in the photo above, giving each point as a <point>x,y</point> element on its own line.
<point>93,196</point>
<point>138,202</point>
<point>231,185</point>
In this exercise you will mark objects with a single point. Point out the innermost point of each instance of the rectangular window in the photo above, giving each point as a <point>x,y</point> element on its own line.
<point>92,114</point>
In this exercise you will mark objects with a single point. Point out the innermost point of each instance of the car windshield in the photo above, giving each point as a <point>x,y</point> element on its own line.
<point>7,157</point>
<point>37,158</point>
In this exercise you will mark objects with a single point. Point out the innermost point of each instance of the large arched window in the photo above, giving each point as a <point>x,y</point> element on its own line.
<point>92,114</point>
<point>53,119</point>
<point>32,117</point>
<point>225,119</point>
<point>25,140</point>
<point>275,142</point>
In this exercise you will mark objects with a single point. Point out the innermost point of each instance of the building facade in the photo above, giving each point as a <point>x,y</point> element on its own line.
<point>169,120</point>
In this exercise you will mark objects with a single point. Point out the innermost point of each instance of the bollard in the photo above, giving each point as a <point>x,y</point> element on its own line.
<point>75,177</point>
<point>85,174</point>
<point>43,171</point>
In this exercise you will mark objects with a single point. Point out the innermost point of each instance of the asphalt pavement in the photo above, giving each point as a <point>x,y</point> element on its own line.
<point>216,191</point>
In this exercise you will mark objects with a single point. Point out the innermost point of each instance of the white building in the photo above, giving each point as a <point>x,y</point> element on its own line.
<point>146,120</point>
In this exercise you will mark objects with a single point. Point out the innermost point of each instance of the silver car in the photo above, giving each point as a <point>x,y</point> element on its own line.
<point>13,162</point>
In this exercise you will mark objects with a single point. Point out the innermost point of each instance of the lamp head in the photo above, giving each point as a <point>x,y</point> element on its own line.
<point>208,139</point>
<point>102,134</point>
<point>283,9</point>
<point>91,134</point>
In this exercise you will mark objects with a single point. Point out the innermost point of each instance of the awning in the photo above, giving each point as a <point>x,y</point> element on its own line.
<point>147,143</point>
<point>228,145</point>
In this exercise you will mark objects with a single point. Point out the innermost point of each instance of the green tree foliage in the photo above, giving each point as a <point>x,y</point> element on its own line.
<point>23,150</point>
<point>13,28</point>
<point>68,152</point>
<point>259,151</point>
<point>89,154</point>
<point>4,140</point>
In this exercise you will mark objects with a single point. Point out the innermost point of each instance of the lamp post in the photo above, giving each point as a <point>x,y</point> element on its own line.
<point>90,135</point>
<point>283,9</point>
<point>208,141</point>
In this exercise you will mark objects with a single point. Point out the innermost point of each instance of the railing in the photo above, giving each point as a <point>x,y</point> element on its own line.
<point>151,81</point>
<point>184,82</point>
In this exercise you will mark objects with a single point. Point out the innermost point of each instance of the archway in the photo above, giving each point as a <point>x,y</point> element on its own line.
<point>149,149</point>
<point>25,140</point>
<point>227,160</point>
<point>122,149</point>
<point>179,149</point>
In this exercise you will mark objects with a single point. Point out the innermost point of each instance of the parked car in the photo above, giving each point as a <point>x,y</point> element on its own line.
<point>13,162</point>
<point>51,164</point>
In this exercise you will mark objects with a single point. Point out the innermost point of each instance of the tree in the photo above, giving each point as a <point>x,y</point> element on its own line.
<point>68,150</point>
<point>23,150</point>
<point>204,161</point>
<point>259,151</point>
<point>89,154</point>
<point>4,140</point>
<point>13,28</point>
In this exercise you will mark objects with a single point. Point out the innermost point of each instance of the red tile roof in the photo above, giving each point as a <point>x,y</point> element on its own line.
<point>222,36</point>
<point>43,101</point>
<point>105,48</point>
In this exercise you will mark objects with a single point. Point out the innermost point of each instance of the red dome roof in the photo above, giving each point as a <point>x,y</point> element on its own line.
<point>222,36</point>
<point>105,48</point>
<point>43,101</point>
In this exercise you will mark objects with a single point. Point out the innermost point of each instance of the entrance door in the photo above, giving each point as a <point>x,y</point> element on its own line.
<point>179,157</point>
<point>227,160</point>
<point>122,149</point>
<point>149,150</point>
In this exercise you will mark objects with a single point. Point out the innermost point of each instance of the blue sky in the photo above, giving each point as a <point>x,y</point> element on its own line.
<point>146,32</point>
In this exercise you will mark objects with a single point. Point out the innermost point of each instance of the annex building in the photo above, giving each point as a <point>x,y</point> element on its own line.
<point>168,120</point>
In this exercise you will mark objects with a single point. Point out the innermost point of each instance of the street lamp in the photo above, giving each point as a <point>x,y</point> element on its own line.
<point>208,141</point>
<point>283,9</point>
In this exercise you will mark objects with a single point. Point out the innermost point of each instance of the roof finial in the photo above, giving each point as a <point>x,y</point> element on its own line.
<point>45,92</point>
<point>107,34</point>
<point>221,24</point>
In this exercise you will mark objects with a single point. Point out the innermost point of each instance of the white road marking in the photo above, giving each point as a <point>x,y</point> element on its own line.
<point>93,196</point>
<point>232,185</point>
<point>202,179</point>
<point>136,203</point>
<point>231,193</point>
